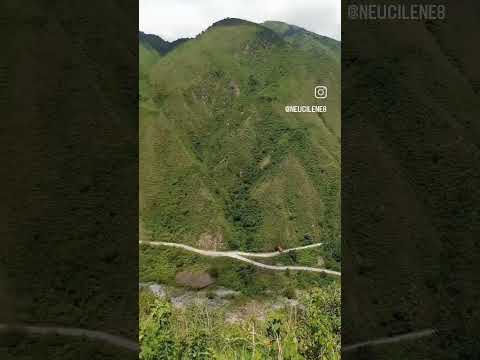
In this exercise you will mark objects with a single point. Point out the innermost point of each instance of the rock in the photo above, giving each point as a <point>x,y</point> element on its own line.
<point>223,292</point>
<point>158,290</point>
<point>320,262</point>
<point>184,300</point>
<point>194,280</point>
<point>234,88</point>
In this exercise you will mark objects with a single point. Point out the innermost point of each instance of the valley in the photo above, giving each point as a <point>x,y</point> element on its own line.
<point>239,196</point>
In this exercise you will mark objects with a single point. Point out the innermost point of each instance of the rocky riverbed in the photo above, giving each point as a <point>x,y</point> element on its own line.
<point>220,298</point>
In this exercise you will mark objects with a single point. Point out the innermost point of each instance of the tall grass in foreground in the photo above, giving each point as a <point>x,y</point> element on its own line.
<point>305,332</point>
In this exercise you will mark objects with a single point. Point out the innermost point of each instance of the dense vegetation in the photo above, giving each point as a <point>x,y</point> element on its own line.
<point>223,166</point>
<point>310,331</point>
<point>219,156</point>
<point>160,265</point>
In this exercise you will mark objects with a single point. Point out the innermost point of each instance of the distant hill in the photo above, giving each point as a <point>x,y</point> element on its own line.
<point>157,43</point>
<point>221,162</point>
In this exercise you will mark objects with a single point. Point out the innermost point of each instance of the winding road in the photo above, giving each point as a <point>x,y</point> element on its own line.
<point>244,256</point>
<point>389,340</point>
<point>130,345</point>
<point>75,332</point>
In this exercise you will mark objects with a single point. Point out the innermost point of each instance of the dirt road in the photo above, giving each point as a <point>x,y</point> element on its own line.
<point>243,256</point>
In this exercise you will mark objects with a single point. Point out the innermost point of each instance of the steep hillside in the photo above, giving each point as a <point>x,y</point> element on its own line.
<point>150,49</point>
<point>305,39</point>
<point>222,165</point>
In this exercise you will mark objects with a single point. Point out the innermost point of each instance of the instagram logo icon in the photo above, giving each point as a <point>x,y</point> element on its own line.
<point>321,92</point>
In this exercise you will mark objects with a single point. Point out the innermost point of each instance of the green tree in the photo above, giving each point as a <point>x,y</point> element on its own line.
<point>320,325</point>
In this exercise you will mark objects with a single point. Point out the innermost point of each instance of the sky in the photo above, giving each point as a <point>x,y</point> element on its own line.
<point>173,19</point>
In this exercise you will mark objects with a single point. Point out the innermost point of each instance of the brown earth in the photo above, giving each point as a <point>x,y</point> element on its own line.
<point>210,241</point>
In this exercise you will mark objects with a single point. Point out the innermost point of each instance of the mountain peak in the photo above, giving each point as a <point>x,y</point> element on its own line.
<point>257,31</point>
<point>232,22</point>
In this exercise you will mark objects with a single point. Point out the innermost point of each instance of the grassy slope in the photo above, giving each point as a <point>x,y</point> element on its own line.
<point>220,156</point>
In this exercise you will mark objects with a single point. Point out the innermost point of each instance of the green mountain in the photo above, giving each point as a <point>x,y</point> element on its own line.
<point>306,40</point>
<point>222,164</point>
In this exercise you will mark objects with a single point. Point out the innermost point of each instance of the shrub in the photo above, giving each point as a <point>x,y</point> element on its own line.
<point>320,325</point>
<point>156,340</point>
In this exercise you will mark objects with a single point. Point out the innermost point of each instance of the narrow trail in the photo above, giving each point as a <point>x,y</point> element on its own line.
<point>75,332</point>
<point>243,256</point>
<point>388,340</point>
